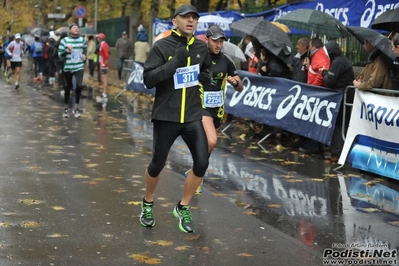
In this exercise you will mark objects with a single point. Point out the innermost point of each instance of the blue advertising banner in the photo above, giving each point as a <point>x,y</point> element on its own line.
<point>300,108</point>
<point>350,12</point>
<point>135,82</point>
<point>164,25</point>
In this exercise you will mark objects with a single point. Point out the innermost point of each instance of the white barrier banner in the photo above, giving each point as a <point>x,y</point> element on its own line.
<point>372,142</point>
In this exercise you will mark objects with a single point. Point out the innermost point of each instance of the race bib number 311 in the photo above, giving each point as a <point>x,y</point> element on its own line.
<point>186,76</point>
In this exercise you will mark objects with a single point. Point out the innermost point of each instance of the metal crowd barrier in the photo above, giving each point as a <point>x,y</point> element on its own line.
<point>348,107</point>
<point>127,67</point>
<point>126,71</point>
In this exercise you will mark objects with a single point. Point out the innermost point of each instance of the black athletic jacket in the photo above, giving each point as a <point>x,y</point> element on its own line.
<point>181,105</point>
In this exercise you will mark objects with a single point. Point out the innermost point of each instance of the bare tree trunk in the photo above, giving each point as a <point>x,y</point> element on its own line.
<point>201,5</point>
<point>172,7</point>
<point>153,14</point>
<point>135,18</point>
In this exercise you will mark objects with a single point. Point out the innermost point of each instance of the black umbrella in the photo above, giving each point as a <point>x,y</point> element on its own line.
<point>282,51</point>
<point>389,20</point>
<point>39,32</point>
<point>259,27</point>
<point>314,21</point>
<point>378,40</point>
<point>87,31</point>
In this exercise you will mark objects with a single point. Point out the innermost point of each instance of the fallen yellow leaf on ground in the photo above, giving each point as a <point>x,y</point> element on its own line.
<point>134,203</point>
<point>120,190</point>
<point>153,261</point>
<point>206,249</point>
<point>274,205</point>
<point>330,175</point>
<point>219,194</point>
<point>250,213</point>
<point>182,247</point>
<point>91,165</point>
<point>139,257</point>
<point>280,147</point>
<point>4,225</point>
<point>245,255</point>
<point>31,201</point>
<point>395,223</point>
<point>58,208</point>
<point>91,182</point>
<point>290,163</point>
<point>56,235</point>
<point>294,180</point>
<point>318,179</point>
<point>80,176</point>
<point>369,210</point>
<point>30,224</point>
<point>161,243</point>
<point>192,237</point>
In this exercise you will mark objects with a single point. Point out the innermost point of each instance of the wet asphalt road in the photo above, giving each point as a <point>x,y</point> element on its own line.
<point>70,190</point>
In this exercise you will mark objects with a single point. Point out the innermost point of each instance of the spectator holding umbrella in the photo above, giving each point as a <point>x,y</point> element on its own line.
<point>299,71</point>
<point>272,66</point>
<point>318,59</point>
<point>376,74</point>
<point>338,76</point>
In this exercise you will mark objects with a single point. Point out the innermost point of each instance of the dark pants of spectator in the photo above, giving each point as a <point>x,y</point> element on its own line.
<point>61,80</point>
<point>45,67</point>
<point>98,73</point>
<point>121,61</point>
<point>1,60</point>
<point>5,64</point>
<point>51,68</point>
<point>92,67</point>
<point>38,62</point>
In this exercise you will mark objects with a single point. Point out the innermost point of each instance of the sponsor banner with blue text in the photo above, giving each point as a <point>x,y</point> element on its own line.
<point>135,82</point>
<point>372,142</point>
<point>300,108</point>
<point>350,12</point>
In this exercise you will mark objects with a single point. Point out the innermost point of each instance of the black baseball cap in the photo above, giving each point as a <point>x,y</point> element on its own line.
<point>185,9</point>
<point>215,32</point>
<point>73,25</point>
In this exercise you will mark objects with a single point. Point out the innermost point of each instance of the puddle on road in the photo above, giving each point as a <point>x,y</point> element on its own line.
<point>298,194</point>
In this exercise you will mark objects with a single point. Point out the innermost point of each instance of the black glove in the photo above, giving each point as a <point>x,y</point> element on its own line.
<point>181,55</point>
<point>205,77</point>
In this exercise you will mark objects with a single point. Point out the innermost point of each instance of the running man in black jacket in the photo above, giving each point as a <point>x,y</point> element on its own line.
<point>174,66</point>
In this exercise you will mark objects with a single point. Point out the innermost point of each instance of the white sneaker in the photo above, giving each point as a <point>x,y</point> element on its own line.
<point>65,113</point>
<point>99,99</point>
<point>76,112</point>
